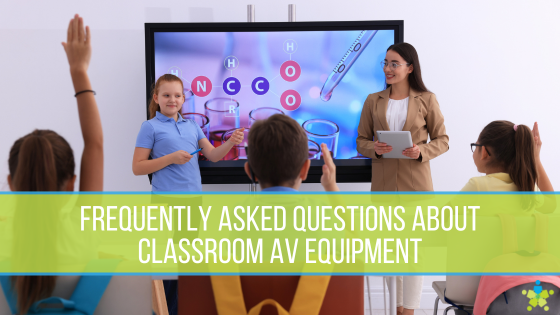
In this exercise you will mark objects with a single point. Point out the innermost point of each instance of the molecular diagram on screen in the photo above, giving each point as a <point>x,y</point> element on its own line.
<point>537,297</point>
<point>290,71</point>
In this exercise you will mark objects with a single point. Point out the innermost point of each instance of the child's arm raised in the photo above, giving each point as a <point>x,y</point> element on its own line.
<point>543,180</point>
<point>328,179</point>
<point>78,51</point>
<point>215,154</point>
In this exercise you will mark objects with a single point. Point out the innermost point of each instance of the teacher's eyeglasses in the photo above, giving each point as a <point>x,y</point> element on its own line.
<point>393,65</point>
<point>474,145</point>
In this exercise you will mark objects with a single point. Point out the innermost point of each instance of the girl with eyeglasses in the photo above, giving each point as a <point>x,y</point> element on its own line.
<point>509,155</point>
<point>406,105</point>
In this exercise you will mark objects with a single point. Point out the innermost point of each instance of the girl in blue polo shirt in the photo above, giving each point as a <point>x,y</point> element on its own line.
<point>169,138</point>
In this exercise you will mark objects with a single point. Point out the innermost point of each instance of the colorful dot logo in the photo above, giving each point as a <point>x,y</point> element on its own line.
<point>537,297</point>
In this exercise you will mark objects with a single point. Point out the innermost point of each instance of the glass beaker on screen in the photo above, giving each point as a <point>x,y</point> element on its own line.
<point>188,105</point>
<point>223,114</point>
<point>201,120</point>
<point>262,113</point>
<point>323,131</point>
<point>314,150</point>
<point>238,151</point>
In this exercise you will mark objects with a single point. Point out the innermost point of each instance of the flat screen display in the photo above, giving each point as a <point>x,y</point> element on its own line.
<point>234,77</point>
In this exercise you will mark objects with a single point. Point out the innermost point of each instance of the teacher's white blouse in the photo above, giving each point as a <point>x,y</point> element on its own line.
<point>396,114</point>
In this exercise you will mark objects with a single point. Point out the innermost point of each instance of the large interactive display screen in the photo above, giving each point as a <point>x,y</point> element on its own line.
<point>318,73</point>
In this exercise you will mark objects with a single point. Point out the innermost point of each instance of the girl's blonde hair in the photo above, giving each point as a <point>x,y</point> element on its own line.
<point>154,107</point>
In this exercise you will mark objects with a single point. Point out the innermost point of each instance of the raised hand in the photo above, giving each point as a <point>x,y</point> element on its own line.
<point>78,45</point>
<point>237,136</point>
<point>538,141</point>
<point>328,179</point>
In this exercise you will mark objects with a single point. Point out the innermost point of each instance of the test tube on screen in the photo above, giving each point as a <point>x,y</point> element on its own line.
<point>346,63</point>
<point>188,105</point>
<point>314,150</point>
<point>323,131</point>
<point>238,151</point>
<point>223,114</point>
<point>262,113</point>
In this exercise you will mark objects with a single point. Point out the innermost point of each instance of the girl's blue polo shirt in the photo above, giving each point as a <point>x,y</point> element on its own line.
<point>164,136</point>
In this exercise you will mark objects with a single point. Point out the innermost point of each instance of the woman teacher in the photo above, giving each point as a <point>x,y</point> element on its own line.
<point>406,105</point>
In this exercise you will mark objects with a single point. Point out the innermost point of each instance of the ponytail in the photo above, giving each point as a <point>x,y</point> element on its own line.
<point>523,169</point>
<point>32,289</point>
<point>39,161</point>
<point>512,147</point>
<point>154,107</point>
<point>36,170</point>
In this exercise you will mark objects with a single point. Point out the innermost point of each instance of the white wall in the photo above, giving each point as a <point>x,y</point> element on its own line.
<point>485,60</point>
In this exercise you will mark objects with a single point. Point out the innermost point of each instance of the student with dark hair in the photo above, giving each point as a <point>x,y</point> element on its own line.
<point>278,159</point>
<point>44,161</point>
<point>509,155</point>
<point>286,168</point>
<point>406,105</point>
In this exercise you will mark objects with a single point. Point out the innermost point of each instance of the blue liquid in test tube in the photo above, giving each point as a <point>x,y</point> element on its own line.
<point>346,63</point>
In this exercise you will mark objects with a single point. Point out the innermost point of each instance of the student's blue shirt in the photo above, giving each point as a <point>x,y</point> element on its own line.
<point>279,188</point>
<point>163,136</point>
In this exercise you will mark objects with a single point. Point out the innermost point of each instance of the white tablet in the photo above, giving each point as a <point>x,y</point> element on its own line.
<point>399,140</point>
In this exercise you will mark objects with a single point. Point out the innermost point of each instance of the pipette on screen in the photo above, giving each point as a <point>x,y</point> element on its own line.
<point>346,63</point>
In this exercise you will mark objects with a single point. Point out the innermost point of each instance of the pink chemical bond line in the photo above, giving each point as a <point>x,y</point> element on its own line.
<point>290,71</point>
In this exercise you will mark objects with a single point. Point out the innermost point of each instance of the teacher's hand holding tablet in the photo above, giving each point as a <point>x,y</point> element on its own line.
<point>413,153</point>
<point>382,148</point>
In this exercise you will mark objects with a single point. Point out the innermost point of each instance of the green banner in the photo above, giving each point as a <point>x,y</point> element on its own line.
<point>322,233</point>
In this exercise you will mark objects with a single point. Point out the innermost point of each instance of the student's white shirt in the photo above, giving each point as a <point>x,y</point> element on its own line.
<point>396,114</point>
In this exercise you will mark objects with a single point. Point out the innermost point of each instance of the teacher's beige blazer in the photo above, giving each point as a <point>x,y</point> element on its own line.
<point>424,118</point>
